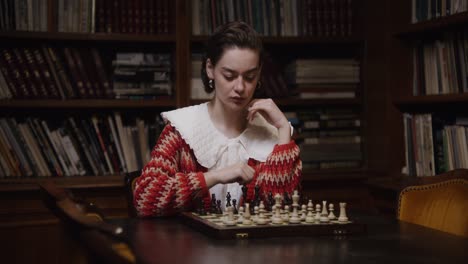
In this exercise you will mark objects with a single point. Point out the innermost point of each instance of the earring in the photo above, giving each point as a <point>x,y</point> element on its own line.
<point>210,83</point>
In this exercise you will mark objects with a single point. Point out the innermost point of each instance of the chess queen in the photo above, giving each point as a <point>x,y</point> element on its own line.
<point>230,141</point>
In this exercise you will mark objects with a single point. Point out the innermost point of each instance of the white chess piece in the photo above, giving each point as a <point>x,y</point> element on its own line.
<point>240,219</point>
<point>317,212</point>
<point>304,212</point>
<point>261,219</point>
<point>276,219</point>
<point>343,218</point>
<point>331,216</point>
<point>229,221</point>
<point>310,213</point>
<point>286,214</point>
<point>324,213</point>
<point>247,215</point>
<point>294,219</point>
<point>255,216</point>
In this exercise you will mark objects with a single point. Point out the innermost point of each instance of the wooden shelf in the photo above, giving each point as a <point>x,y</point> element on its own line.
<point>438,25</point>
<point>425,103</point>
<point>334,174</point>
<point>96,37</point>
<point>267,40</point>
<point>302,102</point>
<point>76,182</point>
<point>86,104</point>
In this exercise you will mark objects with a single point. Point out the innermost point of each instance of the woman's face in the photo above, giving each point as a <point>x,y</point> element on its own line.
<point>235,77</point>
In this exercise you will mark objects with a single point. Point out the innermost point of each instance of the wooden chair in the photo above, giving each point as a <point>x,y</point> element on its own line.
<point>130,179</point>
<point>438,202</point>
<point>103,241</point>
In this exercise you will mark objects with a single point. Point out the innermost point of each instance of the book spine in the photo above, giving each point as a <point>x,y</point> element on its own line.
<point>74,73</point>
<point>46,75</point>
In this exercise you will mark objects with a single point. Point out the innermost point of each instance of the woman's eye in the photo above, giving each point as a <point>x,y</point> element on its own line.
<point>229,78</point>
<point>250,78</point>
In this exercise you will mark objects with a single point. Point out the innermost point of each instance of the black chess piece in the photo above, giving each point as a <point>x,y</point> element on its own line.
<point>257,195</point>
<point>270,201</point>
<point>244,194</point>
<point>201,210</point>
<point>213,204</point>
<point>228,199</point>
<point>218,207</point>
<point>234,205</point>
<point>287,199</point>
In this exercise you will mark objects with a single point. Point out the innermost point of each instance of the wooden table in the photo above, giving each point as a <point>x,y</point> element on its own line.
<point>167,240</point>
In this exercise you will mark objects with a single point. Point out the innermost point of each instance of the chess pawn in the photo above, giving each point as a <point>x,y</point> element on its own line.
<point>310,213</point>
<point>331,216</point>
<point>304,212</point>
<point>343,217</point>
<point>255,216</point>
<point>324,213</point>
<point>247,215</point>
<point>234,205</point>
<point>261,219</point>
<point>229,221</point>
<point>286,213</point>
<point>240,219</point>
<point>317,212</point>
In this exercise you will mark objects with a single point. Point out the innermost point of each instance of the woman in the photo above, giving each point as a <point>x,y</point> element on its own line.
<point>216,147</point>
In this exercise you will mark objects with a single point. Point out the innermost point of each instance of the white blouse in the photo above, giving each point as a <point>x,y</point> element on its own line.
<point>213,150</point>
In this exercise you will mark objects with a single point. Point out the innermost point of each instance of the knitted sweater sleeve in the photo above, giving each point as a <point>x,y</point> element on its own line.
<point>171,180</point>
<point>281,172</point>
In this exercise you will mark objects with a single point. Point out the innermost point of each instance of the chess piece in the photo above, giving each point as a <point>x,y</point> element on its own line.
<point>257,195</point>
<point>294,219</point>
<point>201,209</point>
<point>228,199</point>
<point>255,215</point>
<point>324,213</point>
<point>343,217</point>
<point>261,220</point>
<point>247,215</point>
<point>270,201</point>
<point>213,204</point>
<point>218,207</point>
<point>244,194</point>
<point>276,219</point>
<point>317,212</point>
<point>303,212</point>
<point>310,213</point>
<point>229,221</point>
<point>240,219</point>
<point>286,213</point>
<point>234,205</point>
<point>287,200</point>
<point>331,216</point>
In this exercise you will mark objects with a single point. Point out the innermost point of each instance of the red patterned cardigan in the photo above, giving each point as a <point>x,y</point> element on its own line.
<point>173,180</point>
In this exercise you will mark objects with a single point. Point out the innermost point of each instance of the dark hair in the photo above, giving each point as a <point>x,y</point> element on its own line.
<point>233,34</point>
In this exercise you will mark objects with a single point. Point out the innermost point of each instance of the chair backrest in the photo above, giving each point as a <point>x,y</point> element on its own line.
<point>130,179</point>
<point>103,241</point>
<point>440,203</point>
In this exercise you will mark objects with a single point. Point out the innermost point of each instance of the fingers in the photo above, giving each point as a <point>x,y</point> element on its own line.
<point>266,106</point>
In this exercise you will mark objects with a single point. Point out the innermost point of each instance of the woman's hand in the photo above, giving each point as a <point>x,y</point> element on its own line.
<point>273,115</point>
<point>239,172</point>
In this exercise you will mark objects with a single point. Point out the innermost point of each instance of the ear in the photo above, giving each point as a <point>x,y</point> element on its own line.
<point>209,69</point>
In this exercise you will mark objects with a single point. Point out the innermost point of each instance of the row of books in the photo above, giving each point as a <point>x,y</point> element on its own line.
<point>95,145</point>
<point>142,75</point>
<point>441,66</point>
<point>87,16</point>
<point>55,73</point>
<point>435,144</point>
<point>328,137</point>
<point>323,78</point>
<point>277,17</point>
<point>431,9</point>
<point>64,73</point>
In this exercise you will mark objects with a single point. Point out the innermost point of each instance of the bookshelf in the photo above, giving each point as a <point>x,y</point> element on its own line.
<point>180,43</point>
<point>407,100</point>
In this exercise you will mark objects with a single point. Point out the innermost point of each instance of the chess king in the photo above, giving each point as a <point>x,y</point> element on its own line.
<point>230,141</point>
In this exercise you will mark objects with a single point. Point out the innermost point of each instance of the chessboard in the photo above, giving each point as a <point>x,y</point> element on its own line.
<point>282,220</point>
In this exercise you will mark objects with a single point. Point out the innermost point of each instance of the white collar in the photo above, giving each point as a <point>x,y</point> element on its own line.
<point>208,144</point>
